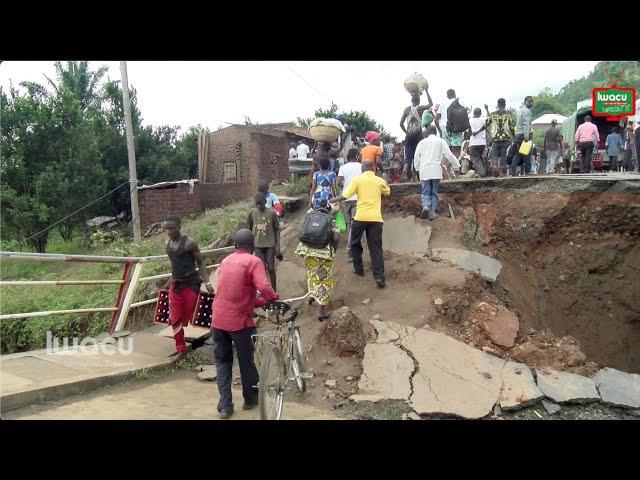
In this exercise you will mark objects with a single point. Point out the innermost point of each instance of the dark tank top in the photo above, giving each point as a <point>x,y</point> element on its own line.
<point>183,266</point>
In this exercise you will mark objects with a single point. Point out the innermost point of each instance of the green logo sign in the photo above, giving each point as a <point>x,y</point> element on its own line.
<point>613,101</point>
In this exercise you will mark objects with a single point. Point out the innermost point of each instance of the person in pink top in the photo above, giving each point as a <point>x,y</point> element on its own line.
<point>586,136</point>
<point>242,277</point>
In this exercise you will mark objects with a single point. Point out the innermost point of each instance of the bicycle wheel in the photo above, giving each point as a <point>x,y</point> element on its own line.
<point>298,362</point>
<point>271,383</point>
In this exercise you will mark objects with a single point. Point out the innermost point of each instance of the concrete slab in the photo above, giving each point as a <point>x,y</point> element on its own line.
<point>565,387</point>
<point>37,369</point>
<point>405,235</point>
<point>453,378</point>
<point>486,267</point>
<point>386,334</point>
<point>519,389</point>
<point>178,397</point>
<point>618,388</point>
<point>386,373</point>
<point>46,376</point>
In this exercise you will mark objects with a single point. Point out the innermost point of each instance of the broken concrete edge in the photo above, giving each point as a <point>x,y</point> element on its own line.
<point>54,393</point>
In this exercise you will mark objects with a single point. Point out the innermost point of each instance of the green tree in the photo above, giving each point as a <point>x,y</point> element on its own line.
<point>546,102</point>
<point>358,119</point>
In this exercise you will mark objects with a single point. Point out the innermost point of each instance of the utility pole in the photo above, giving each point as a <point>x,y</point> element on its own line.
<point>133,176</point>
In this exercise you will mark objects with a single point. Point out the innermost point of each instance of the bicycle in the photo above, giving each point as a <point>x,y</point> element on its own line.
<point>281,359</point>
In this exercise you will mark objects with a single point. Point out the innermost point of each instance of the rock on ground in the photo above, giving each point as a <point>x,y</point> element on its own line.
<point>208,375</point>
<point>519,389</point>
<point>551,407</point>
<point>565,387</point>
<point>618,388</point>
<point>501,324</point>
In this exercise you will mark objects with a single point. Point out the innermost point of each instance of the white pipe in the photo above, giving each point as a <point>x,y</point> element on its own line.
<point>55,312</point>
<point>59,282</point>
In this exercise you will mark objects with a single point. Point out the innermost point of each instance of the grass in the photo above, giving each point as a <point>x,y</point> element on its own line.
<point>29,334</point>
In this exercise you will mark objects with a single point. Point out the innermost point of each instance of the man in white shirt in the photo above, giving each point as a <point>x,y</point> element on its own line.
<point>477,142</point>
<point>346,174</point>
<point>302,150</point>
<point>430,153</point>
<point>292,151</point>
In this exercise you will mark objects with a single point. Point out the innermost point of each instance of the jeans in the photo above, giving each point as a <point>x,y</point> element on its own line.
<point>349,213</point>
<point>499,155</point>
<point>586,150</point>
<point>268,257</point>
<point>552,158</point>
<point>374,242</point>
<point>430,194</point>
<point>475,152</point>
<point>223,354</point>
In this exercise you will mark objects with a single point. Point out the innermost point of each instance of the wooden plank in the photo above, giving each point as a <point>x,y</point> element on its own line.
<point>126,305</point>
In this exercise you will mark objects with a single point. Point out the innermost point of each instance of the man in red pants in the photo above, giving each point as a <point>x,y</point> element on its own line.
<point>184,283</point>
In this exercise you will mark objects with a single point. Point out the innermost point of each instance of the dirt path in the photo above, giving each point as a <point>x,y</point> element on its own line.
<point>176,396</point>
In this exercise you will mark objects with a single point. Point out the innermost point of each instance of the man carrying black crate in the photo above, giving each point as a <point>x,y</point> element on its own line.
<point>185,282</point>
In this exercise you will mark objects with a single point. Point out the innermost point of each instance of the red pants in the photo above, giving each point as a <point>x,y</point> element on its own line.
<point>182,305</point>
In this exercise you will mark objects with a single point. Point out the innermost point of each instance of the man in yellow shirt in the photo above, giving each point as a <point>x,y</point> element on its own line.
<point>368,218</point>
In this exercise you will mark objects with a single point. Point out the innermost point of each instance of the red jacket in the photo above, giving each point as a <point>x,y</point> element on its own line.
<point>241,276</point>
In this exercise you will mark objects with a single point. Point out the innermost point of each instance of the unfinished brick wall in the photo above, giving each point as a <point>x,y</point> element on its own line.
<point>156,204</point>
<point>270,157</point>
<point>257,155</point>
<point>228,145</point>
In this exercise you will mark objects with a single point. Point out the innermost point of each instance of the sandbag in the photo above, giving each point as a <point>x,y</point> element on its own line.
<point>415,83</point>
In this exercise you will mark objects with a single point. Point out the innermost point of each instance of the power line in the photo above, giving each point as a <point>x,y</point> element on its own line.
<point>77,211</point>
<point>301,78</point>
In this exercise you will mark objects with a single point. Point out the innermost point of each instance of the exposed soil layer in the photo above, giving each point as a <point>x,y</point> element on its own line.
<point>571,268</point>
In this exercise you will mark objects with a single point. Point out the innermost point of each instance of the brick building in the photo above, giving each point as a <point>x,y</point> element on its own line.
<point>231,162</point>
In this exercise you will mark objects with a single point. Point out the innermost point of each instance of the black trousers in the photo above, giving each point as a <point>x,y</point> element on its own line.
<point>268,257</point>
<point>223,342</point>
<point>374,242</point>
<point>519,160</point>
<point>586,150</point>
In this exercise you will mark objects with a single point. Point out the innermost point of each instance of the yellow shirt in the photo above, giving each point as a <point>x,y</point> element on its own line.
<point>370,190</point>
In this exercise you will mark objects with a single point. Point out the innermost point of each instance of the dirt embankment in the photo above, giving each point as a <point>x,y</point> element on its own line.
<point>571,268</point>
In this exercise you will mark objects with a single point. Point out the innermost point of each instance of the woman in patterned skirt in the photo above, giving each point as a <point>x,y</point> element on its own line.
<point>319,263</point>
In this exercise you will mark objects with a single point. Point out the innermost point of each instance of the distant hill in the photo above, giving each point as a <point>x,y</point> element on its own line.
<point>564,101</point>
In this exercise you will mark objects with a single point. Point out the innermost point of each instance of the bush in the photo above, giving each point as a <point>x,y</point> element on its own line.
<point>301,185</point>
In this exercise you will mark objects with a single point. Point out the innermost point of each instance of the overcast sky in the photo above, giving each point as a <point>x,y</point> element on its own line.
<point>213,93</point>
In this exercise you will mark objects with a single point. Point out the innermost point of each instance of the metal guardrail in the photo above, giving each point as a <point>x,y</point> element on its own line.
<point>130,279</point>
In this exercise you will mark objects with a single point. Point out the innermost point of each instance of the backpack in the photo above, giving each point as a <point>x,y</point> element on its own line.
<point>457,118</point>
<point>414,127</point>
<point>316,229</point>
